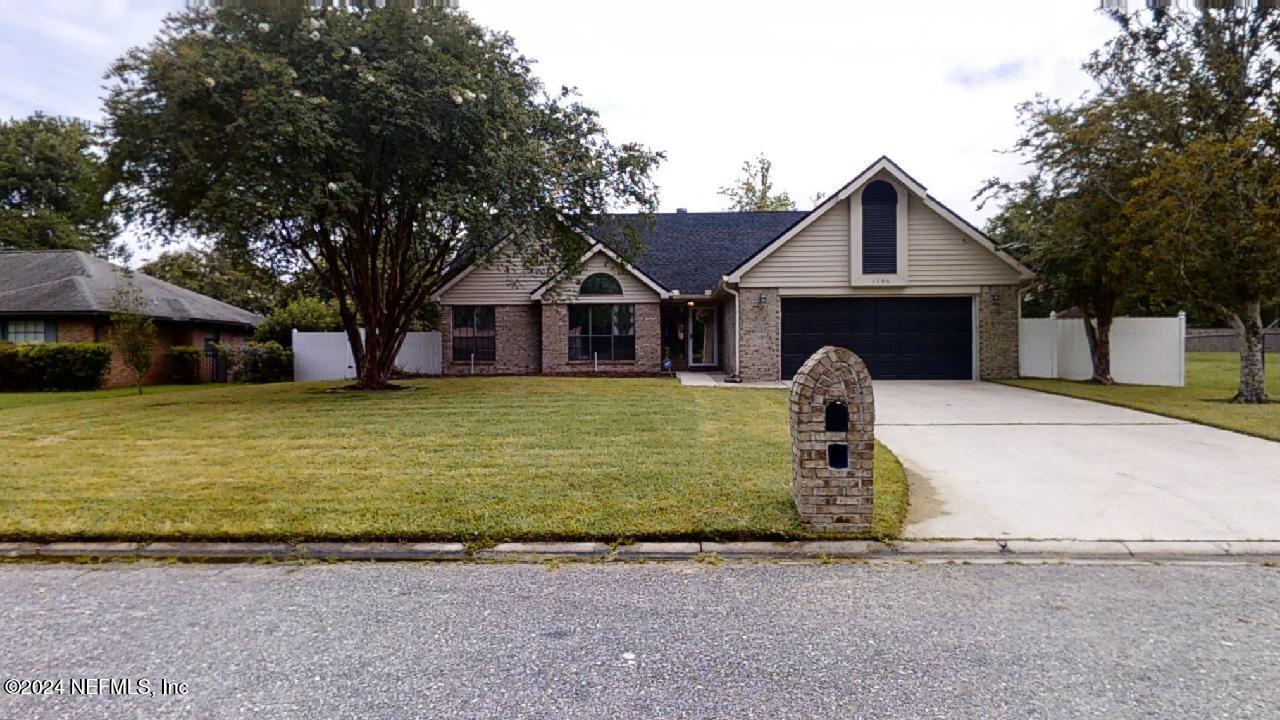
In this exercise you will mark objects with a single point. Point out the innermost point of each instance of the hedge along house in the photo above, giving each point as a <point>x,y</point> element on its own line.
<point>66,296</point>
<point>881,268</point>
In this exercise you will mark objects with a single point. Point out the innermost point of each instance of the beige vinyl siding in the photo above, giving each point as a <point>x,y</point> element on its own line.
<point>633,289</point>
<point>817,257</point>
<point>504,282</point>
<point>940,254</point>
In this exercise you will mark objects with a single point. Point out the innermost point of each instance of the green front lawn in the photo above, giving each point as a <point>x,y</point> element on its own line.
<point>475,459</point>
<point>28,399</point>
<point>1212,379</point>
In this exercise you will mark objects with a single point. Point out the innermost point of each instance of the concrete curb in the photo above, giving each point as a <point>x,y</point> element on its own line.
<point>930,550</point>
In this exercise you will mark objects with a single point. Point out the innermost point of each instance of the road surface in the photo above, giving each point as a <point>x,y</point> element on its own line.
<point>680,640</point>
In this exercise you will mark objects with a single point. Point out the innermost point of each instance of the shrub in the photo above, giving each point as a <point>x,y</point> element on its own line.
<point>55,366</point>
<point>306,314</point>
<point>184,361</point>
<point>258,362</point>
<point>10,367</point>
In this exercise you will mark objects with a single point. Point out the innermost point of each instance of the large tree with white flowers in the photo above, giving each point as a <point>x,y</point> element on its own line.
<point>374,147</point>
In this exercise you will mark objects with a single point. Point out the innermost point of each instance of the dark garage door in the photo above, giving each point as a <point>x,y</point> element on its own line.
<point>898,338</point>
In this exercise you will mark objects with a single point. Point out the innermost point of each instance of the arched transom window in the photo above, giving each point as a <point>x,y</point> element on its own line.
<point>600,284</point>
<point>879,229</point>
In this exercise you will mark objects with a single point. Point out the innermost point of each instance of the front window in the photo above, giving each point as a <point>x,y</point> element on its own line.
<point>474,333</point>
<point>600,284</point>
<point>25,331</point>
<point>602,332</point>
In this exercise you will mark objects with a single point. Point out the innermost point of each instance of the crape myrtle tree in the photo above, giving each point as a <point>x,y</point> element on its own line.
<point>1209,77</point>
<point>375,147</point>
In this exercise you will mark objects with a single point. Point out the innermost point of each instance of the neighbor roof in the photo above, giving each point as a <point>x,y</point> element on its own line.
<point>68,282</point>
<point>689,252</point>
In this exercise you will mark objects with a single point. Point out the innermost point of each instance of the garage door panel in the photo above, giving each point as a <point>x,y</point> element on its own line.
<point>898,338</point>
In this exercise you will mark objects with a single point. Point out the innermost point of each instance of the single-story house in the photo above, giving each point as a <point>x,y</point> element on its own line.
<point>67,296</point>
<point>880,267</point>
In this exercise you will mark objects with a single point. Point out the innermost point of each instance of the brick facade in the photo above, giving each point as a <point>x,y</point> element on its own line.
<point>761,351</point>
<point>833,457</point>
<point>168,335</point>
<point>998,332</point>
<point>555,343</point>
<point>517,342</point>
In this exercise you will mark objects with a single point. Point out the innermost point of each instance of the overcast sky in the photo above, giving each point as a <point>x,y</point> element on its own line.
<point>821,87</point>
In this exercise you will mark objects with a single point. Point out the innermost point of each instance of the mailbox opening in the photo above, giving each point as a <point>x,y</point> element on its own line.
<point>838,456</point>
<point>837,417</point>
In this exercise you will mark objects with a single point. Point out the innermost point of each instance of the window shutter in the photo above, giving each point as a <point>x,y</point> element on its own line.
<point>879,229</point>
<point>50,332</point>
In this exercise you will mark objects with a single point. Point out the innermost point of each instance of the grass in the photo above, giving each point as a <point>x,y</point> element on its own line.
<point>29,399</point>
<point>476,459</point>
<point>1212,379</point>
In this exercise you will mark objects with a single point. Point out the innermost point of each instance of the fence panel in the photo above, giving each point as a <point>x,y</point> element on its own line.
<point>1144,351</point>
<point>1038,348</point>
<point>327,356</point>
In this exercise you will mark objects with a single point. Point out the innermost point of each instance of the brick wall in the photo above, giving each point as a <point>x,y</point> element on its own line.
<point>998,332</point>
<point>761,335</point>
<point>89,329</point>
<point>555,343</point>
<point>517,342</point>
<point>728,338</point>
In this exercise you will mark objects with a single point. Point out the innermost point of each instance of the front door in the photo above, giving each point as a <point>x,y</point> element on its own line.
<point>702,337</point>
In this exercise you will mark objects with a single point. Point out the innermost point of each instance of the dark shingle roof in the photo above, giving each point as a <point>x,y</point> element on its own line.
<point>690,252</point>
<point>69,282</point>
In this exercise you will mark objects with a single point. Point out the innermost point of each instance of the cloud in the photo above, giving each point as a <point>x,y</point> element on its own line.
<point>971,78</point>
<point>821,87</point>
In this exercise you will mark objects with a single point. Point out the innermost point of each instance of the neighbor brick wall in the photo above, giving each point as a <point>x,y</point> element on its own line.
<point>77,331</point>
<point>517,342</point>
<point>555,343</point>
<point>90,329</point>
<point>168,335</point>
<point>761,335</point>
<point>998,332</point>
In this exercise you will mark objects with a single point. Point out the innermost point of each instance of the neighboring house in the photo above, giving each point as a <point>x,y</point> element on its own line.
<point>880,267</point>
<point>66,296</point>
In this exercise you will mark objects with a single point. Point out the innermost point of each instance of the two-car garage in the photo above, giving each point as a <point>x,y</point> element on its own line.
<point>900,338</point>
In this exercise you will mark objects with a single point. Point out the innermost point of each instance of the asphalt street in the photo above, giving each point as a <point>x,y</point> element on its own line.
<point>680,640</point>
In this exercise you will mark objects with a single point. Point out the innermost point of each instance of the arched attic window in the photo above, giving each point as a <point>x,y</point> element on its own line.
<point>879,229</point>
<point>600,284</point>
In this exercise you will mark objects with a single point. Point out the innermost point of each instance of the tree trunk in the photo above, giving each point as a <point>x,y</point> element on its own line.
<point>1253,384</point>
<point>381,346</point>
<point>1100,346</point>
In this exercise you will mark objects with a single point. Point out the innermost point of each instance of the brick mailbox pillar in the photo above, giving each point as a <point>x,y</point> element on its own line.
<point>833,441</point>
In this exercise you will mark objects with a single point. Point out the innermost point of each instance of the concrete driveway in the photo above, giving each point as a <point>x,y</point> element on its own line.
<point>993,461</point>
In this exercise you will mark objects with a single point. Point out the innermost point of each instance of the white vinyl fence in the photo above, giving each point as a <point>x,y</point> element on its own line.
<point>1144,351</point>
<point>327,355</point>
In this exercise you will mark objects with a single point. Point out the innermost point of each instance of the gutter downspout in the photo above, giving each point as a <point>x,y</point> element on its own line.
<point>737,336</point>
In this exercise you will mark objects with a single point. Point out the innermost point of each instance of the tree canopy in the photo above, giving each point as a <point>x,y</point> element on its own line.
<point>1066,219</point>
<point>222,275</point>
<point>373,147</point>
<point>1159,184</point>
<point>753,190</point>
<point>53,189</point>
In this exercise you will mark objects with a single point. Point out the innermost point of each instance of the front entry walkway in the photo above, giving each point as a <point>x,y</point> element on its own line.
<point>716,379</point>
